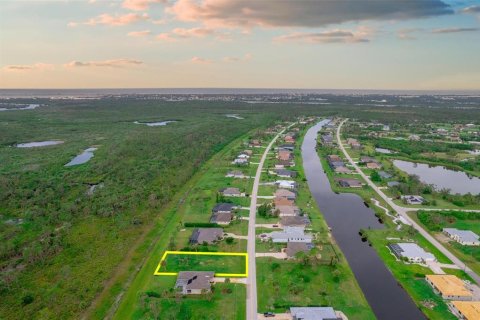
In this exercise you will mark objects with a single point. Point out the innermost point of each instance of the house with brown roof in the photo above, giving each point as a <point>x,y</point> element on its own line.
<point>255,143</point>
<point>450,287</point>
<point>349,183</point>
<point>354,143</point>
<point>373,165</point>
<point>295,221</point>
<point>465,310</point>
<point>194,282</point>
<point>283,202</point>
<point>295,247</point>
<point>284,155</point>
<point>284,193</point>
<point>287,211</point>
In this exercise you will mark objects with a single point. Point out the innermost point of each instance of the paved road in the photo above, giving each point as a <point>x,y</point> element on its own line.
<point>252,270</point>
<point>403,212</point>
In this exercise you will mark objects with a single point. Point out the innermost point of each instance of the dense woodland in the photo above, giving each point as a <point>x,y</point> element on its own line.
<point>60,244</point>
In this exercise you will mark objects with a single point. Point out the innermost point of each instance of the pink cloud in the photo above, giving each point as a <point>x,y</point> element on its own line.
<point>142,33</point>
<point>112,20</point>
<point>139,5</point>
<point>185,33</point>
<point>28,67</point>
<point>299,13</point>
<point>114,63</point>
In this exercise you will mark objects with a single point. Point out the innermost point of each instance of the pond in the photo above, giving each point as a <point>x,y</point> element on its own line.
<point>82,158</point>
<point>38,144</point>
<point>235,116</point>
<point>155,124</point>
<point>25,107</point>
<point>383,150</point>
<point>441,177</point>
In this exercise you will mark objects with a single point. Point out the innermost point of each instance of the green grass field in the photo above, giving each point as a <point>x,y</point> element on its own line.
<point>218,264</point>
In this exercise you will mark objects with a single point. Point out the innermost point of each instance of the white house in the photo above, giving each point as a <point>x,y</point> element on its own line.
<point>464,237</point>
<point>412,252</point>
<point>291,234</point>
<point>286,184</point>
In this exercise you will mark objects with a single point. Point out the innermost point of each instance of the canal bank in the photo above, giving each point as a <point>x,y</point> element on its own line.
<point>346,214</point>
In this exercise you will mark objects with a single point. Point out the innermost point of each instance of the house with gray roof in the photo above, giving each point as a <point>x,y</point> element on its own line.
<point>384,175</point>
<point>464,237</point>
<point>232,192</point>
<point>291,234</point>
<point>221,218</point>
<point>284,173</point>
<point>314,313</point>
<point>206,235</point>
<point>393,184</point>
<point>224,207</point>
<point>194,282</point>
<point>412,252</point>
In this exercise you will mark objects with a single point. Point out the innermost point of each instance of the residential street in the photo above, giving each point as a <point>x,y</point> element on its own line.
<point>402,211</point>
<point>252,271</point>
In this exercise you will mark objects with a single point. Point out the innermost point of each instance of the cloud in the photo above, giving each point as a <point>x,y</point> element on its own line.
<point>246,57</point>
<point>112,20</point>
<point>454,30</point>
<point>28,67</point>
<point>184,33</point>
<point>142,33</point>
<point>300,13</point>
<point>408,33</point>
<point>114,63</point>
<point>139,5</point>
<point>199,60</point>
<point>329,36</point>
<point>475,9</point>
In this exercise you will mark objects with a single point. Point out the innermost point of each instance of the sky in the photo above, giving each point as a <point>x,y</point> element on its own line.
<point>315,44</point>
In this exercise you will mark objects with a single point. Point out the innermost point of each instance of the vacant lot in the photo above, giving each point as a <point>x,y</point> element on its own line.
<point>206,262</point>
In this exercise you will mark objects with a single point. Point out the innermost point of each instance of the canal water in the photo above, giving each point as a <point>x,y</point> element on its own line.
<point>346,214</point>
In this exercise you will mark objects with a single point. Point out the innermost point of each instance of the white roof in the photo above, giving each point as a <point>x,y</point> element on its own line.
<point>412,250</point>
<point>463,235</point>
<point>313,313</point>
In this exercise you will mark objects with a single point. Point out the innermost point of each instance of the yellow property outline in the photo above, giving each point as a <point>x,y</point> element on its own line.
<point>238,254</point>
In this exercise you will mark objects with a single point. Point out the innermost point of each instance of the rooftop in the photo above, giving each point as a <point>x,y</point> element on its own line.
<point>463,235</point>
<point>469,309</point>
<point>449,285</point>
<point>194,279</point>
<point>313,313</point>
<point>411,250</point>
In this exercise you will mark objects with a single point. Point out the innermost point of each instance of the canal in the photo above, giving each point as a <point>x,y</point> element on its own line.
<point>346,214</point>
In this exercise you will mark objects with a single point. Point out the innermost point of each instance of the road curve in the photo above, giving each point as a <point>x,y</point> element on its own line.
<point>252,270</point>
<point>403,212</point>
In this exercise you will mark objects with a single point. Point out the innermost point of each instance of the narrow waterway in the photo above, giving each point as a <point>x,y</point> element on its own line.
<point>346,214</point>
